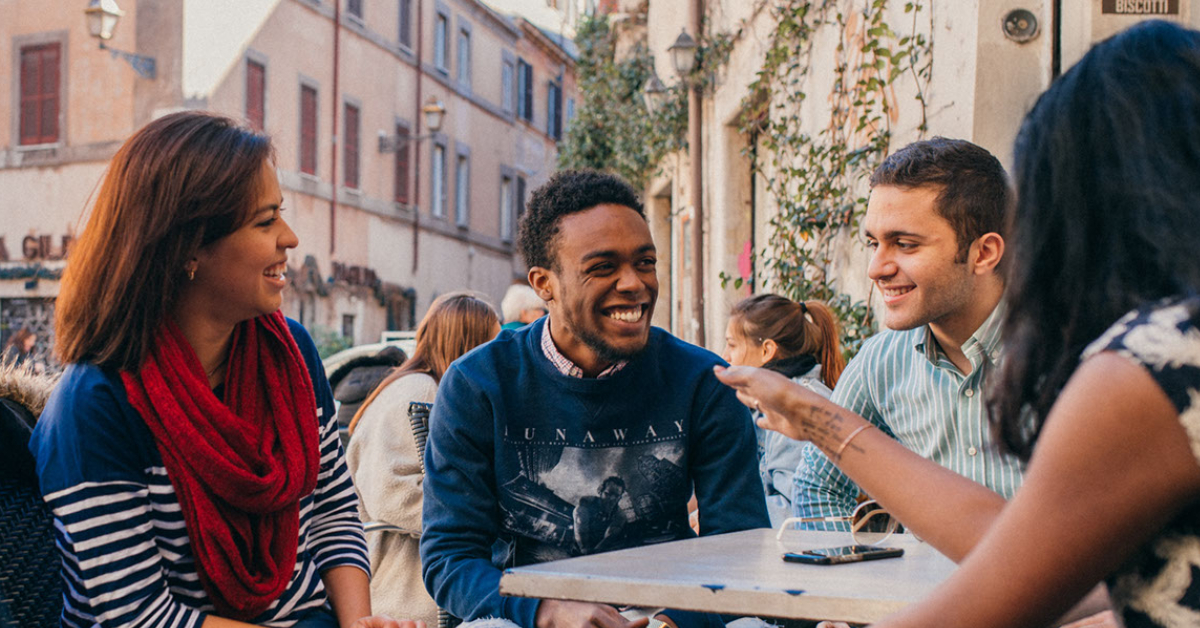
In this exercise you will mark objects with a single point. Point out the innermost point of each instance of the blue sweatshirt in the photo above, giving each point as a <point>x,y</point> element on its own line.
<point>525,465</point>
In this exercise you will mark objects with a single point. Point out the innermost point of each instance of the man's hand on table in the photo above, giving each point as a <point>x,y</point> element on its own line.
<point>565,614</point>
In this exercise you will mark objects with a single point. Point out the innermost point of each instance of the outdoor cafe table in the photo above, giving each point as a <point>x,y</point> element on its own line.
<point>741,573</point>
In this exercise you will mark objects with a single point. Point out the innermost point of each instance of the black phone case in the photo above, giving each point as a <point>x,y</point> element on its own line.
<point>821,559</point>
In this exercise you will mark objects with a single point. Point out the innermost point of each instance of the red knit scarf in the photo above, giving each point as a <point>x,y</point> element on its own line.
<point>239,468</point>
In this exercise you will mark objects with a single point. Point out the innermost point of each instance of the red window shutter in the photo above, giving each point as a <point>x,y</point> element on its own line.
<point>308,130</point>
<point>256,76</point>
<point>402,144</point>
<point>350,169</point>
<point>39,105</point>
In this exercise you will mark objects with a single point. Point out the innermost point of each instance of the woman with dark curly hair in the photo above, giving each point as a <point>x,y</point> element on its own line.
<point>1100,386</point>
<point>190,454</point>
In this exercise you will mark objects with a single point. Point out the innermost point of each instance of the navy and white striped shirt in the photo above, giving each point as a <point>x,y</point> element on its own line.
<point>905,385</point>
<point>127,558</point>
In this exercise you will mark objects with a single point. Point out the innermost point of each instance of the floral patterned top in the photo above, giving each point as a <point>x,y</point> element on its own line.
<point>1158,585</point>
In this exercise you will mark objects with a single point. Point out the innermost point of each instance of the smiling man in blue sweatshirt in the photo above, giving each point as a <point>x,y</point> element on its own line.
<point>584,432</point>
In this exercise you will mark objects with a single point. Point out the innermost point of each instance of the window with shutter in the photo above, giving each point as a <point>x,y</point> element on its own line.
<point>464,58</point>
<point>402,143</point>
<point>506,208</point>
<point>524,90</point>
<point>462,190</point>
<point>506,80</point>
<point>437,174</point>
<point>554,110</point>
<point>441,42</point>
<point>350,143</point>
<point>308,130</point>
<point>40,93</point>
<point>256,79</point>
<point>520,198</point>
<point>405,36</point>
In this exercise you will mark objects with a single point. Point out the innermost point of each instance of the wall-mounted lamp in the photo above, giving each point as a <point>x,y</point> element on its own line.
<point>433,111</point>
<point>683,54</point>
<point>654,92</point>
<point>102,17</point>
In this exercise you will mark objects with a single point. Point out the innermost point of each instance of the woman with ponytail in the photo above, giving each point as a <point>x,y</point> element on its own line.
<point>800,341</point>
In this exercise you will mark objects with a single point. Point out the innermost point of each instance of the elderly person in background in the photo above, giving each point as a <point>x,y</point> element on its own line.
<point>521,306</point>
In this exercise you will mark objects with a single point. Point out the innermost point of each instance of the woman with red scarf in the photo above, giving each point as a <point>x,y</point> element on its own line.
<point>190,453</point>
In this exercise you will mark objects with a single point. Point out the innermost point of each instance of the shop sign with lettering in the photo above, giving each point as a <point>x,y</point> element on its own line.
<point>1140,7</point>
<point>38,247</point>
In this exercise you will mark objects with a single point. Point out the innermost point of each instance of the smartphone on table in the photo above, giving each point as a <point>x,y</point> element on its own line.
<point>843,554</point>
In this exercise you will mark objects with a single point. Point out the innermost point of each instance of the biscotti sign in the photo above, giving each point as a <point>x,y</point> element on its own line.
<point>1140,7</point>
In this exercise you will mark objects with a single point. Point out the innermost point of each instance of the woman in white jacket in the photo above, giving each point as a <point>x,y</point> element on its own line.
<point>384,455</point>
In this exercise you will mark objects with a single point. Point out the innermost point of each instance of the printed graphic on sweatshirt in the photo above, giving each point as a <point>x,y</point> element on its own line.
<point>571,500</point>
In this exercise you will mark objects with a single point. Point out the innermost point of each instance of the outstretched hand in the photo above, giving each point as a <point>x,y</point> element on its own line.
<point>787,407</point>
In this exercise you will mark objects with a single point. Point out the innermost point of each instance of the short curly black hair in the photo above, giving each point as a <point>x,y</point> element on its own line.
<point>566,193</point>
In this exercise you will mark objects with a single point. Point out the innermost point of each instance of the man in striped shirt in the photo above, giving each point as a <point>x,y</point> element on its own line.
<point>935,224</point>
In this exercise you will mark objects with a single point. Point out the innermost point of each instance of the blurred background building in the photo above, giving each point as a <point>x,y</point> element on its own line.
<point>990,60</point>
<point>408,133</point>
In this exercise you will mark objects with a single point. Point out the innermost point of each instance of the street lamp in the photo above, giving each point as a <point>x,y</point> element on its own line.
<point>102,17</point>
<point>683,54</point>
<point>433,111</point>
<point>654,92</point>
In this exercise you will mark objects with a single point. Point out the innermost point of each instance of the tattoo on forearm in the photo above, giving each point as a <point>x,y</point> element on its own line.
<point>826,425</point>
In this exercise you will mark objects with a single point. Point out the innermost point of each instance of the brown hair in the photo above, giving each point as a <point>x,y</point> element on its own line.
<point>455,323</point>
<point>803,328</point>
<point>974,196</point>
<point>18,338</point>
<point>180,183</point>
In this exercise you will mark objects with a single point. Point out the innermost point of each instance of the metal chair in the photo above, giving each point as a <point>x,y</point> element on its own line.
<point>30,579</point>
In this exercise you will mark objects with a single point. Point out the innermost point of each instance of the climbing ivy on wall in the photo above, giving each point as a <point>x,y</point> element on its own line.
<point>817,173</point>
<point>612,129</point>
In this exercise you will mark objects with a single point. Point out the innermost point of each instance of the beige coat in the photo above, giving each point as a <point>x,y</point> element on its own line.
<point>387,474</point>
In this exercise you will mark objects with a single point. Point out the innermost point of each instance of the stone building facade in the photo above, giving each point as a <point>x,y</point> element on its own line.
<point>983,81</point>
<point>389,215</point>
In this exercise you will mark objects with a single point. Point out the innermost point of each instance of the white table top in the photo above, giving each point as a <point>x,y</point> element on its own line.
<point>741,573</point>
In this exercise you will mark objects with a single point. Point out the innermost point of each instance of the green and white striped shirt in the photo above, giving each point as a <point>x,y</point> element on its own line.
<point>905,385</point>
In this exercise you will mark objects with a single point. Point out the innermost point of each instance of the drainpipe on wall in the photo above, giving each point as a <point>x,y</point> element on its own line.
<point>333,147</point>
<point>695,149</point>
<point>416,148</point>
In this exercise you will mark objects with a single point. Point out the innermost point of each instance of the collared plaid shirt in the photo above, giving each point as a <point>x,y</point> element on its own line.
<point>564,364</point>
<point>903,383</point>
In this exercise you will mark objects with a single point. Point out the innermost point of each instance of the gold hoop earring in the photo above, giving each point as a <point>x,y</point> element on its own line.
<point>191,273</point>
